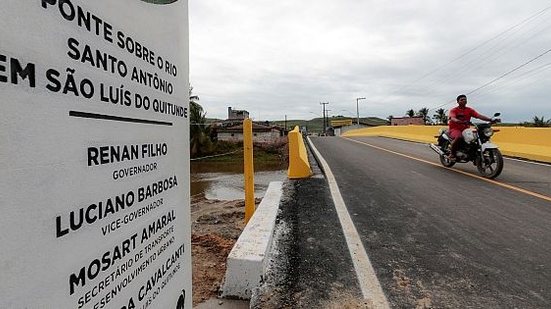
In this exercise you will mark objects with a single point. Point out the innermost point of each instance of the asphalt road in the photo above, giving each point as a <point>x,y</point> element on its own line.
<point>312,267</point>
<point>442,239</point>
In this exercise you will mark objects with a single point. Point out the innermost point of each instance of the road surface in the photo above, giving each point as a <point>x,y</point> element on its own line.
<point>442,239</point>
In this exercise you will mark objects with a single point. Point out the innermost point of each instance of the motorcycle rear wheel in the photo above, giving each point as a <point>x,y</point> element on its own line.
<point>444,158</point>
<point>446,162</point>
<point>491,165</point>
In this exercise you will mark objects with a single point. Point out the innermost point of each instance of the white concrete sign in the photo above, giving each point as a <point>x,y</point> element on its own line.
<point>94,159</point>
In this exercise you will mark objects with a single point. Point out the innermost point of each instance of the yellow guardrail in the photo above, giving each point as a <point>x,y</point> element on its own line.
<point>299,167</point>
<point>522,142</point>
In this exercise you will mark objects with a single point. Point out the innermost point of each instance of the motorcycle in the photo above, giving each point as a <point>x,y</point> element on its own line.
<point>475,147</point>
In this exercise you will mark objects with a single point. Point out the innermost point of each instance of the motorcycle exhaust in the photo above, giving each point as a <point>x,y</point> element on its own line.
<point>436,149</point>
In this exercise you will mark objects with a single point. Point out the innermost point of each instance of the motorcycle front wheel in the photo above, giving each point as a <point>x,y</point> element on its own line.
<point>491,163</point>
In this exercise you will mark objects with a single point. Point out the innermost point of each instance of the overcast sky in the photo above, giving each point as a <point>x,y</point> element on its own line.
<point>284,57</point>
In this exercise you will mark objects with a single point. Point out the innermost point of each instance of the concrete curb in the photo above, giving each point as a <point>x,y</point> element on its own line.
<point>248,260</point>
<point>315,157</point>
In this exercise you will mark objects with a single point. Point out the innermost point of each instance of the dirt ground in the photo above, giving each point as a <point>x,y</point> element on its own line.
<point>216,225</point>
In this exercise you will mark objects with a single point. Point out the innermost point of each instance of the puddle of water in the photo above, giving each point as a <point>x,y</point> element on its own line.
<point>225,181</point>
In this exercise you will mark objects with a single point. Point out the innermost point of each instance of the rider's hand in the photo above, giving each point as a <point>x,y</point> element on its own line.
<point>496,120</point>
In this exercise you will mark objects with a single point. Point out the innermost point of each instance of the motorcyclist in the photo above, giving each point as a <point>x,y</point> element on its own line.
<point>459,119</point>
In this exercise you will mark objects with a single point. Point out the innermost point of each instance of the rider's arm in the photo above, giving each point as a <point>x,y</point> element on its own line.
<point>452,117</point>
<point>482,117</point>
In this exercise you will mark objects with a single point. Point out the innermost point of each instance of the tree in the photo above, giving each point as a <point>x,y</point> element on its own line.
<point>424,112</point>
<point>541,122</point>
<point>441,116</point>
<point>410,113</point>
<point>199,141</point>
<point>192,98</point>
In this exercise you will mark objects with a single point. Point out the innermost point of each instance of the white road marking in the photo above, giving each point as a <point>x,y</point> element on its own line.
<point>529,162</point>
<point>425,143</point>
<point>493,181</point>
<point>369,284</point>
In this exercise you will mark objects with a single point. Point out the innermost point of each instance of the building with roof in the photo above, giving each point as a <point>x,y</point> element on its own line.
<point>405,121</point>
<point>234,114</point>
<point>261,134</point>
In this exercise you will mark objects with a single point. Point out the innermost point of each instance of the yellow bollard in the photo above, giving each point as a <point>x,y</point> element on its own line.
<point>299,167</point>
<point>249,168</point>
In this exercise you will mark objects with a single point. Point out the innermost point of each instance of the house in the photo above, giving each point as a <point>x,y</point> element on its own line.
<point>234,114</point>
<point>231,129</point>
<point>261,134</point>
<point>336,126</point>
<point>404,121</point>
<point>341,122</point>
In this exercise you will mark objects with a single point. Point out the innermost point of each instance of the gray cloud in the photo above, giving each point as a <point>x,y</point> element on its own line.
<point>277,58</point>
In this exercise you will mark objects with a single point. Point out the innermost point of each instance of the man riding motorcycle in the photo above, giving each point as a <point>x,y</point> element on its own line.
<point>459,119</point>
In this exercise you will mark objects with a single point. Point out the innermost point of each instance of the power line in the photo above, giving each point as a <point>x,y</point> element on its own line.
<point>517,79</point>
<point>527,20</point>
<point>501,76</point>
<point>496,51</point>
<point>511,71</point>
<point>496,48</point>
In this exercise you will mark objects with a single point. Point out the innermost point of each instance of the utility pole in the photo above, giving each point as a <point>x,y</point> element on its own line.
<point>358,111</point>
<point>327,117</point>
<point>285,123</point>
<point>324,124</point>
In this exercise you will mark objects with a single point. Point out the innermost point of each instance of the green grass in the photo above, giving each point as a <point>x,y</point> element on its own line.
<point>260,156</point>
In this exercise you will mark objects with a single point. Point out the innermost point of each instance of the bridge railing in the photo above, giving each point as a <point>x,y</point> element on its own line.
<point>522,142</point>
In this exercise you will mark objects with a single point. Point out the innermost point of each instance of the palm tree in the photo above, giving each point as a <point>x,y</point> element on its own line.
<point>424,112</point>
<point>192,98</point>
<point>541,122</point>
<point>441,116</point>
<point>199,141</point>
<point>410,113</point>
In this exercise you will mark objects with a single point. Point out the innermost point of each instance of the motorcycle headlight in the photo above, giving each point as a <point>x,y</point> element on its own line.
<point>488,132</point>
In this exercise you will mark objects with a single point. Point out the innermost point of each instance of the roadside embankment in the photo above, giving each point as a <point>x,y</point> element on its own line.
<point>521,142</point>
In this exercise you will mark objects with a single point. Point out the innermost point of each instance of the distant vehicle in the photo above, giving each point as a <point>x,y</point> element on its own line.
<point>476,147</point>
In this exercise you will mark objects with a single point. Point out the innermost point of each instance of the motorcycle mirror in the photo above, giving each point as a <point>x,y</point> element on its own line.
<point>497,114</point>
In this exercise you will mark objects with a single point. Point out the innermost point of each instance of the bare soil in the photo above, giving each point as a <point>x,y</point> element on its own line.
<point>216,225</point>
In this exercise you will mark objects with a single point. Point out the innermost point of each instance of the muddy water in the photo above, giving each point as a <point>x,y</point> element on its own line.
<point>224,181</point>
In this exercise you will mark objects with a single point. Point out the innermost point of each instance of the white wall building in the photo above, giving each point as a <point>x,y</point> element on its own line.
<point>261,134</point>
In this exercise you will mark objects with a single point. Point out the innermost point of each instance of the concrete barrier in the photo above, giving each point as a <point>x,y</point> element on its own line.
<point>299,167</point>
<point>522,142</point>
<point>248,259</point>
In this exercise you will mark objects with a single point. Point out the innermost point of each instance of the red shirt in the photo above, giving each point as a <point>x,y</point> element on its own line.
<point>463,114</point>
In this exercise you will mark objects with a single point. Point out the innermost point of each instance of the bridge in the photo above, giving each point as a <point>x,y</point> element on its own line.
<point>382,224</point>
